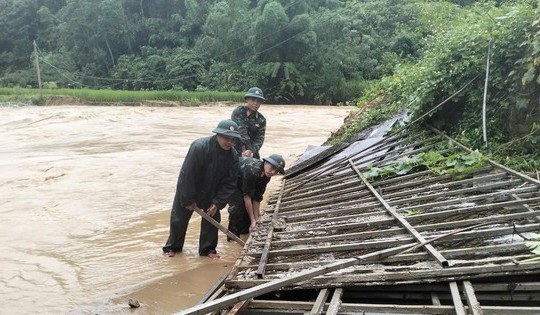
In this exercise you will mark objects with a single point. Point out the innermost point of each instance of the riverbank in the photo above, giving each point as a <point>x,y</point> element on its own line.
<point>46,97</point>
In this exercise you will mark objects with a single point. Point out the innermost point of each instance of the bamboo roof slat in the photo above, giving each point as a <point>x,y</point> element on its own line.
<point>460,253</point>
<point>526,206</point>
<point>432,251</point>
<point>503,194</point>
<point>335,302</point>
<point>472,301</point>
<point>477,223</point>
<point>319,304</point>
<point>493,219</point>
<point>456,299</point>
<point>450,193</point>
<point>409,276</point>
<point>441,184</point>
<point>425,177</point>
<point>435,298</point>
<point>290,307</point>
<point>264,256</point>
<point>430,213</point>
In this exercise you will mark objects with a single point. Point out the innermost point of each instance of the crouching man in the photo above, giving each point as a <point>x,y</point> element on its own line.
<point>254,175</point>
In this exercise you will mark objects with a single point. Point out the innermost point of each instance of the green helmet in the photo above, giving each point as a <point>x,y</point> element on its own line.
<point>228,128</point>
<point>255,92</point>
<point>277,161</point>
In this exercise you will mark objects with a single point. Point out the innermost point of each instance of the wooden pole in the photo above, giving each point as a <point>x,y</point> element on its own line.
<point>484,106</point>
<point>219,226</point>
<point>37,64</point>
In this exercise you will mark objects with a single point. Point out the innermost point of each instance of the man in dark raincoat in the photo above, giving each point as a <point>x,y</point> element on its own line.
<point>207,180</point>
<point>251,122</point>
<point>252,180</point>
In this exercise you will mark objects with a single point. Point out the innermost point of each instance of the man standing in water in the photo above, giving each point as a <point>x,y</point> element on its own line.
<point>252,180</point>
<point>207,180</point>
<point>251,122</point>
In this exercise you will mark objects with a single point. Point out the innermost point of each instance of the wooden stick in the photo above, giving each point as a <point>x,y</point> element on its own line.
<point>219,226</point>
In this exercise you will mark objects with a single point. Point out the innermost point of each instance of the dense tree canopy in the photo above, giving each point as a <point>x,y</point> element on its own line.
<point>298,51</point>
<point>315,51</point>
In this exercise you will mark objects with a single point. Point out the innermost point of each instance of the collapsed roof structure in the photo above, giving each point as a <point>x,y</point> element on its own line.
<point>334,240</point>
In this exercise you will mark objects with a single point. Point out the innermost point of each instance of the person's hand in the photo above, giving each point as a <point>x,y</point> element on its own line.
<point>211,210</point>
<point>252,226</point>
<point>247,153</point>
<point>192,206</point>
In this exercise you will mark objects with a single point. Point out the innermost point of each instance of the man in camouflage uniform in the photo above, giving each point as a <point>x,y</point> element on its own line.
<point>252,180</point>
<point>251,122</point>
<point>207,180</point>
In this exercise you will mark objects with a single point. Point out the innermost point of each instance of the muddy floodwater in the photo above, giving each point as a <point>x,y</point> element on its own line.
<point>85,197</point>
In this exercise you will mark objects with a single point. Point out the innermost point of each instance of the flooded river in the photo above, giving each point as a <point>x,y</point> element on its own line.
<point>85,197</point>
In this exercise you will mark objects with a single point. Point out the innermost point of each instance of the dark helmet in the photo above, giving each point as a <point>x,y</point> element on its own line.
<point>255,92</point>
<point>228,128</point>
<point>277,161</point>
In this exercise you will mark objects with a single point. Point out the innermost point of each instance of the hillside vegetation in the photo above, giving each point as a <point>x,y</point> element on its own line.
<point>458,54</point>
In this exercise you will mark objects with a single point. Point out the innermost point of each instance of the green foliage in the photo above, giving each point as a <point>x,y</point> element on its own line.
<point>319,50</point>
<point>433,161</point>
<point>454,55</point>
<point>534,246</point>
<point>411,212</point>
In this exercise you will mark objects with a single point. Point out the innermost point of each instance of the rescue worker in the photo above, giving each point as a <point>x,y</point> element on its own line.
<point>207,180</point>
<point>253,177</point>
<point>251,122</point>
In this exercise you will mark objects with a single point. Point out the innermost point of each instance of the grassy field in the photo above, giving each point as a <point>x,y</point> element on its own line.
<point>41,97</point>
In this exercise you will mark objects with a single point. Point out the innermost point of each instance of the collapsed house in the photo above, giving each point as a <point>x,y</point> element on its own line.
<point>338,238</point>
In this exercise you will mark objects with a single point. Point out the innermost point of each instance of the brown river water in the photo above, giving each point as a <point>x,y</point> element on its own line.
<point>85,195</point>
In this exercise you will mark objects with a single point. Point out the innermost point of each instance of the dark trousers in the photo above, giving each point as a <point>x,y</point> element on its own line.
<point>239,221</point>
<point>208,238</point>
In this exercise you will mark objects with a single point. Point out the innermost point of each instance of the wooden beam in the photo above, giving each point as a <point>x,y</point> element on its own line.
<point>435,299</point>
<point>335,303</point>
<point>269,236</point>
<point>217,286</point>
<point>456,299</point>
<point>239,307</point>
<point>318,306</point>
<point>472,301</point>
